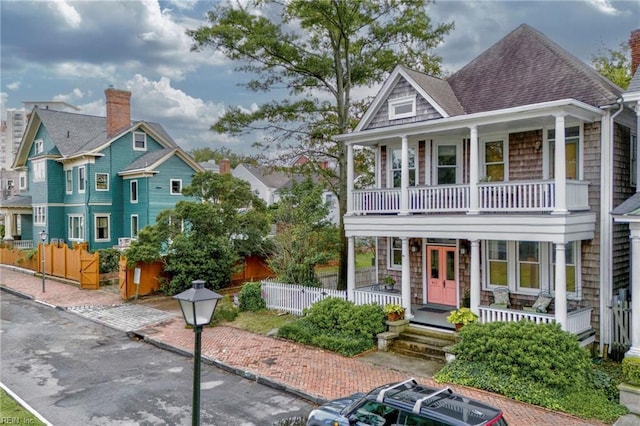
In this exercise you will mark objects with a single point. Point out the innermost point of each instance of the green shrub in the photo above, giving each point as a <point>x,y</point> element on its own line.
<point>226,310</point>
<point>631,370</point>
<point>542,353</point>
<point>109,260</point>
<point>537,364</point>
<point>337,325</point>
<point>250,297</point>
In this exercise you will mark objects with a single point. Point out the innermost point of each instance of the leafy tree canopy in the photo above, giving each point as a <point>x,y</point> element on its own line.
<point>615,64</point>
<point>205,154</point>
<point>320,52</point>
<point>205,239</point>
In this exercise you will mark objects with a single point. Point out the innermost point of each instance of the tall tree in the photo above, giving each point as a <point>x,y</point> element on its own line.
<point>305,236</point>
<point>615,64</point>
<point>320,51</point>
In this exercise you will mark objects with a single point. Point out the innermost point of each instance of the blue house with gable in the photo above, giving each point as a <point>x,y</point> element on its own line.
<point>92,179</point>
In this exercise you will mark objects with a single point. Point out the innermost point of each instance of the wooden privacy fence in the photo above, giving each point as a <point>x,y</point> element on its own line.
<point>75,264</point>
<point>364,278</point>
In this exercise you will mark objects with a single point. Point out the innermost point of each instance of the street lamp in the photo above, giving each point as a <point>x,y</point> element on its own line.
<point>43,237</point>
<point>197,304</point>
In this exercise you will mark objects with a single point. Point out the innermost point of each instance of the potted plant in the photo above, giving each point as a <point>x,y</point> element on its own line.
<point>461,316</point>
<point>394,311</point>
<point>388,282</point>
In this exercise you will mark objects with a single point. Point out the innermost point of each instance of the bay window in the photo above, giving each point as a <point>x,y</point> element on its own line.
<point>76,227</point>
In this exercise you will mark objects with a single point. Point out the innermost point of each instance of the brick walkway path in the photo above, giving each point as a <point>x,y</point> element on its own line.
<point>310,372</point>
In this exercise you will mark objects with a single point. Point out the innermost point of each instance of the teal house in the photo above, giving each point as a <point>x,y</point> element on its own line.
<point>92,179</point>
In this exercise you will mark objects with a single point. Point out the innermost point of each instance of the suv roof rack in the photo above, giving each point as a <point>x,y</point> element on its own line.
<point>383,392</point>
<point>418,405</point>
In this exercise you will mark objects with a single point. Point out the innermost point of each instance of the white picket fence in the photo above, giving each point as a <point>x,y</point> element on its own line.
<point>295,298</point>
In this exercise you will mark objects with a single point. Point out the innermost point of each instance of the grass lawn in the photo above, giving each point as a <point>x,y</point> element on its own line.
<point>14,413</point>
<point>363,260</point>
<point>261,322</point>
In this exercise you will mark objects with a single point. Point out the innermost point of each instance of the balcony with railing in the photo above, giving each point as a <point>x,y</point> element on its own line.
<point>516,196</point>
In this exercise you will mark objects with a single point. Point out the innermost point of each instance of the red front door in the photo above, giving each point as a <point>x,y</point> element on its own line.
<point>441,273</point>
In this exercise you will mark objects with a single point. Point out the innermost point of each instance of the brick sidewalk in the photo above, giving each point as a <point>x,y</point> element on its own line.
<point>307,371</point>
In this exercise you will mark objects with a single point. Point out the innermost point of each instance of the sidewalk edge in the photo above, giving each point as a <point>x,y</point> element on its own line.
<point>315,399</point>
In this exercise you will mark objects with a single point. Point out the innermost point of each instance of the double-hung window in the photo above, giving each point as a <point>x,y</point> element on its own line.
<point>528,265</point>
<point>39,170</point>
<point>68,179</point>
<point>102,181</point>
<point>396,167</point>
<point>176,186</point>
<point>82,179</point>
<point>76,228</point>
<point>133,185</point>
<point>572,271</point>
<point>572,151</point>
<point>395,253</point>
<point>498,264</point>
<point>39,146</point>
<point>139,141</point>
<point>102,227</point>
<point>134,226</point>
<point>494,161</point>
<point>39,215</point>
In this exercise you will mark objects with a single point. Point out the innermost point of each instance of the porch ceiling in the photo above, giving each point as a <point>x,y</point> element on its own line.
<point>542,227</point>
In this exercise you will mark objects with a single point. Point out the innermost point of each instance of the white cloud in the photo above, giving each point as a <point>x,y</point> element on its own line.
<point>67,12</point>
<point>14,86</point>
<point>75,95</point>
<point>604,6</point>
<point>85,70</point>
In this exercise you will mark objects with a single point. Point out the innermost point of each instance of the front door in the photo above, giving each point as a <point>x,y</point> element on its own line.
<point>441,273</point>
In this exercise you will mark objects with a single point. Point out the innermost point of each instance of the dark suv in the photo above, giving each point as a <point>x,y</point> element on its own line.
<point>406,404</point>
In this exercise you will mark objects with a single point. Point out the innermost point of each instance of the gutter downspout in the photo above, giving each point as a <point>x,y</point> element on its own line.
<point>606,226</point>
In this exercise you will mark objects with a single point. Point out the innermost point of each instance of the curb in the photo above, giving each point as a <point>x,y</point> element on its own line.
<point>24,405</point>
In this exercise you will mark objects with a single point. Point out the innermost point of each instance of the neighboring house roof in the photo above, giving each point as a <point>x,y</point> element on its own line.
<point>269,177</point>
<point>18,201</point>
<point>526,67</point>
<point>632,94</point>
<point>78,134</point>
<point>630,207</point>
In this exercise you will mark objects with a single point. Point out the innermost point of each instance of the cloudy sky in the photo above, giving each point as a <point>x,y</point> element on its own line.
<point>73,50</point>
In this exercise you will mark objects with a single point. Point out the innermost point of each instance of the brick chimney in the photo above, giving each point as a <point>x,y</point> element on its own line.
<point>634,43</point>
<point>118,110</point>
<point>225,166</point>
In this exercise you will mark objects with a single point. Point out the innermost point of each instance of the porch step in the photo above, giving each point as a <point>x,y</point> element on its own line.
<point>423,343</point>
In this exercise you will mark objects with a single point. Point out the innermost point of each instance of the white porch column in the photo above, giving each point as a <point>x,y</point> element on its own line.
<point>561,286</point>
<point>8,227</point>
<point>475,276</point>
<point>635,290</point>
<point>559,170</point>
<point>404,177</point>
<point>473,172</point>
<point>350,177</point>
<point>351,268</point>
<point>406,279</point>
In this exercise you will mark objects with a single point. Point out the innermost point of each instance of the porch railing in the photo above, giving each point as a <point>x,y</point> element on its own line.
<point>518,196</point>
<point>578,321</point>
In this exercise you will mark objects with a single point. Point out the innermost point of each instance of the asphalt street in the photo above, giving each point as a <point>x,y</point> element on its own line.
<point>77,372</point>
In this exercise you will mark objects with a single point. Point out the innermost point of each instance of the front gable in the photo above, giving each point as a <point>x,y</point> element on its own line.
<point>408,97</point>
